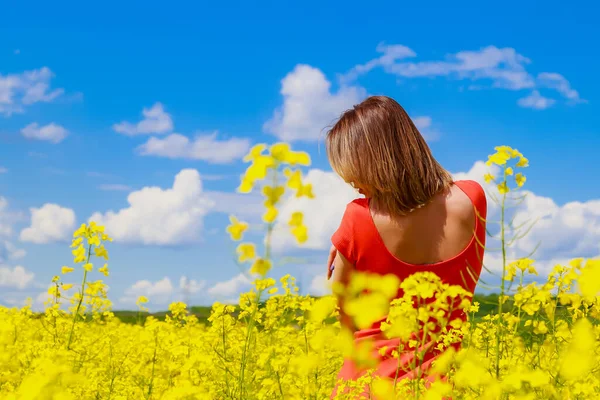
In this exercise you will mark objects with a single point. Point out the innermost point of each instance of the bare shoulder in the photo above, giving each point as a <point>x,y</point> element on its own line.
<point>459,204</point>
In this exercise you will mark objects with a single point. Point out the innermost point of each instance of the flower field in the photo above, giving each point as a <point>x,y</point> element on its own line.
<point>540,343</point>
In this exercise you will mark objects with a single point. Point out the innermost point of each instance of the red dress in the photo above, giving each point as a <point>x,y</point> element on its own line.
<point>358,240</point>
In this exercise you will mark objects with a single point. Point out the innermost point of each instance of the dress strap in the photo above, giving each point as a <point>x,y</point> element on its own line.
<point>477,195</point>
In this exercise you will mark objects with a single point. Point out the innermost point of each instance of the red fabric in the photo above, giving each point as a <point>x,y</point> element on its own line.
<point>358,240</point>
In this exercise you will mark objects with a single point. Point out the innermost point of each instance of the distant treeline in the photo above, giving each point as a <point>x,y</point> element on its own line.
<point>488,304</point>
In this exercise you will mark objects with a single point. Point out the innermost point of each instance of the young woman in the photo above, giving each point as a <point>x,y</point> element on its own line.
<point>413,216</point>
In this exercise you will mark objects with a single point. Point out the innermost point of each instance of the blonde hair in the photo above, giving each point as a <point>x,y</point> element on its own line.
<point>376,147</point>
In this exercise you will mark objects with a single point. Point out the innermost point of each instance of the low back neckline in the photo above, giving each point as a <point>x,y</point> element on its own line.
<point>427,265</point>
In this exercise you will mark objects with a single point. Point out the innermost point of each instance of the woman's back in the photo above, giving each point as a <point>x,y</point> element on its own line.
<point>446,236</point>
<point>439,231</point>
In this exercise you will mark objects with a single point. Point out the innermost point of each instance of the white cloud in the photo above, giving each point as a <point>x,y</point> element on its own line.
<point>203,147</point>
<point>3,170</point>
<point>424,125</point>
<point>390,54</point>
<point>192,286</point>
<point>114,187</point>
<point>422,122</point>
<point>322,214</point>
<point>158,216</point>
<point>20,90</point>
<point>52,132</point>
<point>230,288</point>
<point>16,277</point>
<point>49,223</point>
<point>536,101</point>
<point>36,154</point>
<point>156,121</point>
<point>570,230</point>
<point>476,173</point>
<point>246,205</point>
<point>158,292</point>
<point>319,286</point>
<point>504,68</point>
<point>6,218</point>
<point>309,105</point>
<point>8,251</point>
<point>560,84</point>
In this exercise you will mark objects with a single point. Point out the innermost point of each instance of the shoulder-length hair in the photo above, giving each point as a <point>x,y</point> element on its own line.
<point>375,146</point>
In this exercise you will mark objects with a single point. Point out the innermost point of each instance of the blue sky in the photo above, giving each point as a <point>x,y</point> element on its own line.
<point>474,77</point>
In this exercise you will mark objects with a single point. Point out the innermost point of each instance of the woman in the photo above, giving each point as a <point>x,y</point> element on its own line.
<point>413,216</point>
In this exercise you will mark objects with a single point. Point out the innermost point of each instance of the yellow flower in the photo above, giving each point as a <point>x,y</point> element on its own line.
<point>578,359</point>
<point>520,179</point>
<point>511,271</point>
<point>246,251</point>
<point>255,152</point>
<point>81,231</point>
<point>142,300</point>
<point>262,163</point>
<point>101,252</point>
<point>55,279</point>
<point>498,159</point>
<point>255,172</point>
<point>67,286</point>
<point>294,178</point>
<point>76,242</point>
<point>322,309</point>
<point>523,162</point>
<point>367,309</point>
<point>515,153</point>
<point>503,188</point>
<point>272,194</point>
<point>527,264</point>
<point>260,266</point>
<point>88,267</point>
<point>504,150</point>
<point>270,215</point>
<point>280,151</point>
<point>576,263</point>
<point>54,291</point>
<point>79,254</point>
<point>488,178</point>
<point>589,279</point>
<point>296,219</point>
<point>384,389</point>
<point>299,157</point>
<point>300,233</point>
<point>539,327</point>
<point>237,228</point>
<point>66,270</point>
<point>508,171</point>
<point>305,190</point>
<point>246,186</point>
<point>94,240</point>
<point>104,270</point>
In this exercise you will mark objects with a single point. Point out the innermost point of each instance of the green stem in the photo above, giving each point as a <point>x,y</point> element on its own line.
<point>502,284</point>
<point>80,299</point>
<point>251,321</point>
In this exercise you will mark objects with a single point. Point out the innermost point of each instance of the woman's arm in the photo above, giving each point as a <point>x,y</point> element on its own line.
<point>341,276</point>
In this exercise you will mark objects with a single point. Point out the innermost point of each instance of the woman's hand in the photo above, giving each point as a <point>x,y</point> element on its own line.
<point>332,254</point>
